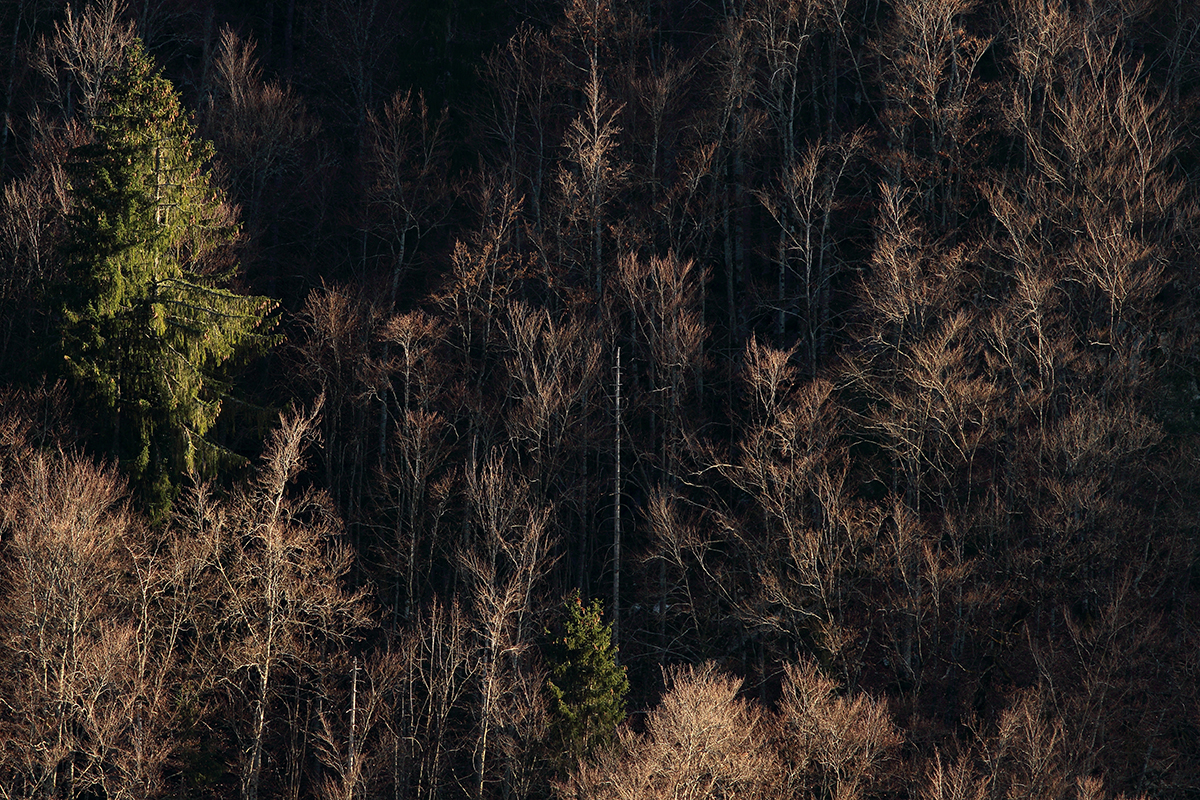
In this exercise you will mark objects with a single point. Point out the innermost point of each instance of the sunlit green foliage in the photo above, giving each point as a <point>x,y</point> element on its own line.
<point>587,685</point>
<point>147,316</point>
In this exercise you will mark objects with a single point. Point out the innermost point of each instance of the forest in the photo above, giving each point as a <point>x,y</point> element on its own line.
<point>600,399</point>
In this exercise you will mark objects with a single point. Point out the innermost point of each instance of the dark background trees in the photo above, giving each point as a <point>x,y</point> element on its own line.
<point>845,349</point>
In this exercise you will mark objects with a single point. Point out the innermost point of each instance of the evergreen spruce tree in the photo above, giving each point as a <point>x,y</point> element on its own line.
<point>587,687</point>
<point>146,317</point>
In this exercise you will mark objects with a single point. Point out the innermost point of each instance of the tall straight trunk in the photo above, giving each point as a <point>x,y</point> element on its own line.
<point>730,282</point>
<point>585,555</point>
<point>288,30</point>
<point>206,61</point>
<point>781,288</point>
<point>616,585</point>
<point>12,74</point>
<point>811,293</point>
<point>594,114</point>
<point>833,90</point>
<point>254,767</point>
<point>739,221</point>
<point>789,161</point>
<point>415,495</point>
<point>824,290</point>
<point>734,229</point>
<point>396,768</point>
<point>357,487</point>
<point>295,767</point>
<point>397,270</point>
<point>351,750</point>
<point>485,728</point>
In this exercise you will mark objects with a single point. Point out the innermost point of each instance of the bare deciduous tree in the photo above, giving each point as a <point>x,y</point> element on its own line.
<point>407,163</point>
<point>354,737</point>
<point>660,297</point>
<point>260,128</point>
<point>85,51</point>
<point>71,682</point>
<point>803,206</point>
<point>33,213</point>
<point>437,652</point>
<point>279,570</point>
<point>340,327</point>
<point>589,187</point>
<point>930,73</point>
<point>701,741</point>
<point>502,567</point>
<point>832,745</point>
<point>554,368</point>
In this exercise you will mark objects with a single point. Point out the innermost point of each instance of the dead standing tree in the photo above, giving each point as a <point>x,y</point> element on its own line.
<point>356,736</point>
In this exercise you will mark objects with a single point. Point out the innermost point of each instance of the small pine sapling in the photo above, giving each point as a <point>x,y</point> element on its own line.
<point>587,686</point>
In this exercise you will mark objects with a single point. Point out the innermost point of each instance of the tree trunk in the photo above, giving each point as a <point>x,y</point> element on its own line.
<point>12,76</point>
<point>616,584</point>
<point>254,768</point>
<point>351,750</point>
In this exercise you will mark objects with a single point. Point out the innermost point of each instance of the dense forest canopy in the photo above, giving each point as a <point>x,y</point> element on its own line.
<point>599,399</point>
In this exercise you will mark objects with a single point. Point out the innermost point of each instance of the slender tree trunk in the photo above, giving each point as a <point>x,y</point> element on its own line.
<point>288,31</point>
<point>824,289</point>
<point>585,550</point>
<point>730,281</point>
<point>254,768</point>
<point>739,222</point>
<point>410,567</point>
<point>485,728</point>
<point>12,76</point>
<point>206,62</point>
<point>616,585</point>
<point>397,270</point>
<point>351,750</point>
<point>294,747</point>
<point>781,278</point>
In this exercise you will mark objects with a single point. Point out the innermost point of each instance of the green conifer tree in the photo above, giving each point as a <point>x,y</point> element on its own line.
<point>147,319</point>
<point>587,686</point>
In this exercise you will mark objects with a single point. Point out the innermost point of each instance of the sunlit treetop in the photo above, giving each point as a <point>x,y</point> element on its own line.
<point>148,318</point>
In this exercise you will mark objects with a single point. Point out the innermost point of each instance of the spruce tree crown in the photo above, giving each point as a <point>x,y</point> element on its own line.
<point>147,318</point>
<point>587,686</point>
